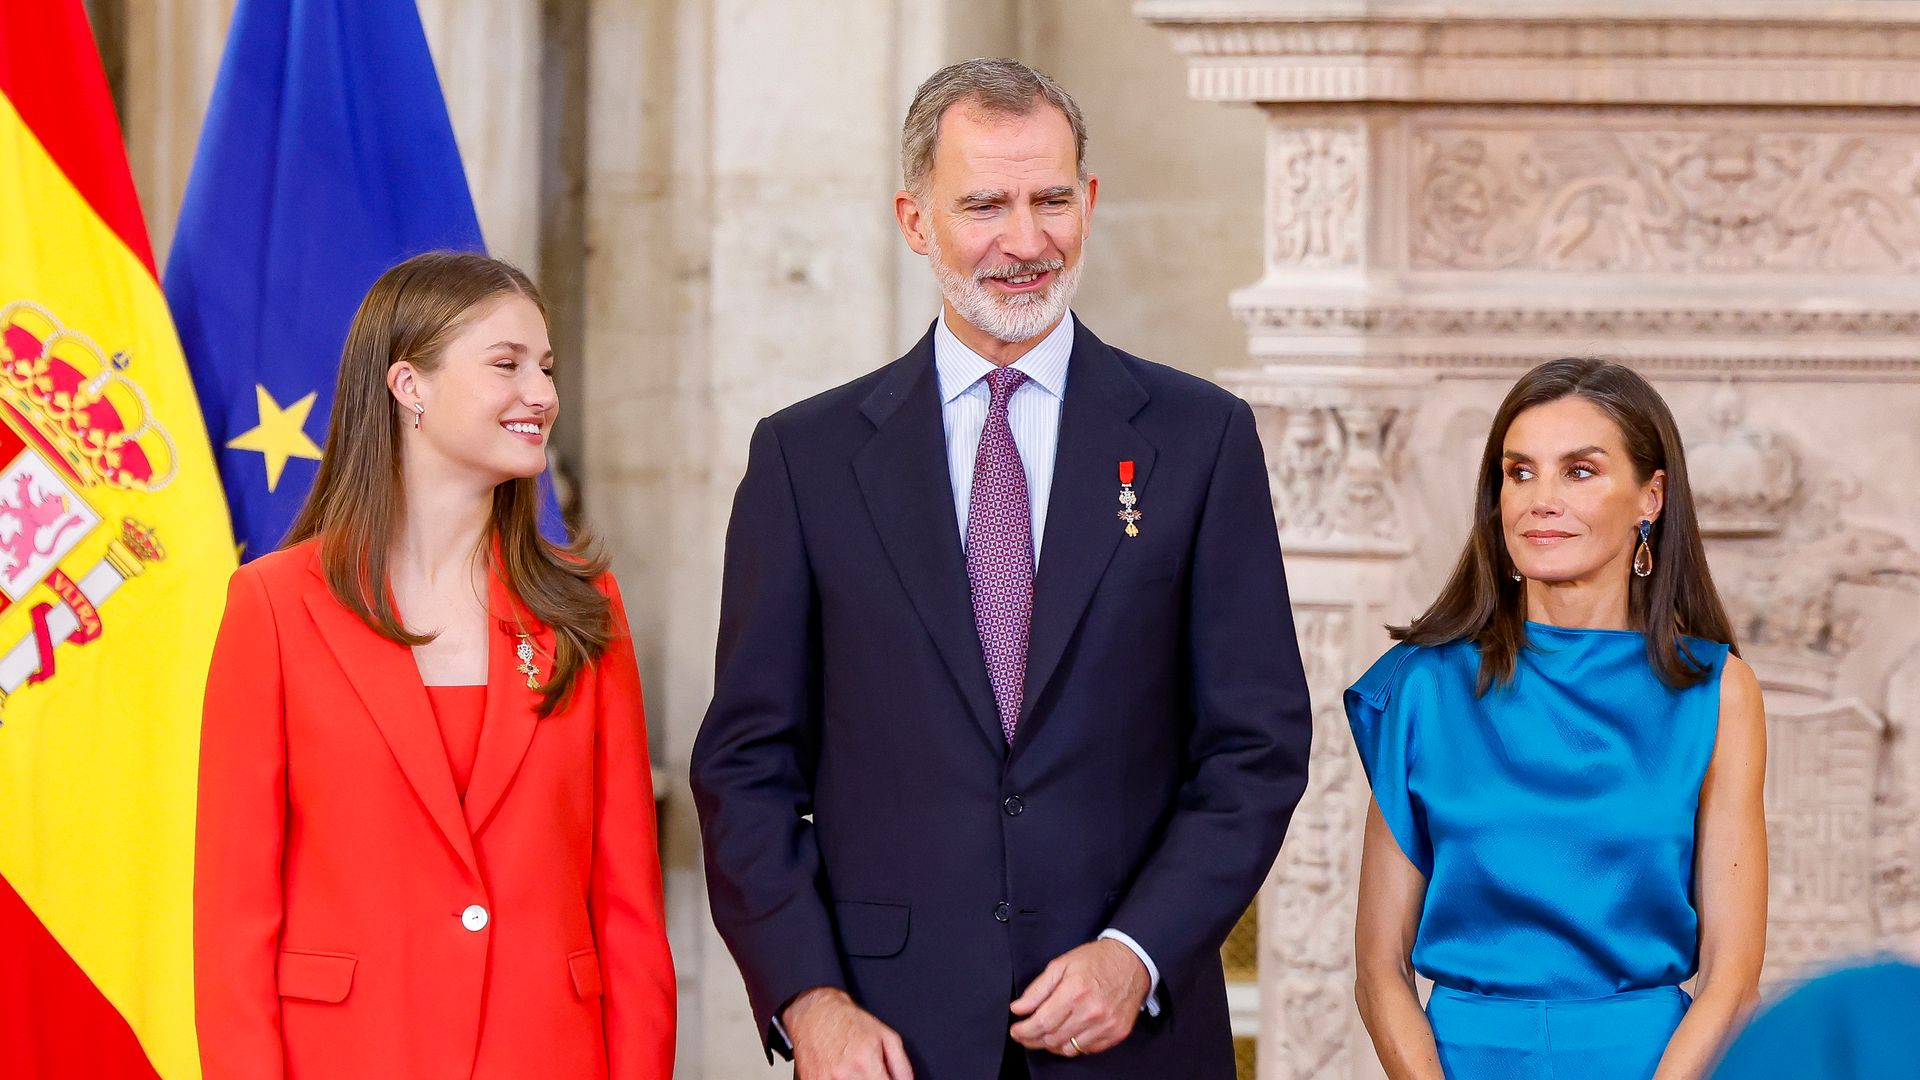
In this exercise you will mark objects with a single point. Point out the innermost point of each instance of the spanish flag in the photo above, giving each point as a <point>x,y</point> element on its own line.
<point>114,550</point>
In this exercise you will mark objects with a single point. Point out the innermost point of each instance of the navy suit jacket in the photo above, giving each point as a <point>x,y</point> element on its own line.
<point>866,825</point>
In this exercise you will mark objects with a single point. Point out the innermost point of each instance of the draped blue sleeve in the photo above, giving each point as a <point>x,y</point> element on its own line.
<point>1382,709</point>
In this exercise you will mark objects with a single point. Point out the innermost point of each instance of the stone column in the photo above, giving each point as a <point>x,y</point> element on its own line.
<point>488,58</point>
<point>172,54</point>
<point>1725,195</point>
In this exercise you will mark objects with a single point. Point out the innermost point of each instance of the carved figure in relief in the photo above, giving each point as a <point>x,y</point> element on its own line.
<point>1314,196</point>
<point>1331,472</point>
<point>1565,735</point>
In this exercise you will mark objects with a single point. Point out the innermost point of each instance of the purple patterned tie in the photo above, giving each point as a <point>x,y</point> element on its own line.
<point>1000,552</point>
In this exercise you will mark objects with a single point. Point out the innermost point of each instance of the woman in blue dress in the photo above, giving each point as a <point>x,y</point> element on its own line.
<point>1567,760</point>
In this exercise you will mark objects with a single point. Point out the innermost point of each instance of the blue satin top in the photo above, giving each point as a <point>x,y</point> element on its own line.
<point>1553,817</point>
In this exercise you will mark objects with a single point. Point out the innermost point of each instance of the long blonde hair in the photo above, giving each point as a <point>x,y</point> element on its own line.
<point>411,314</point>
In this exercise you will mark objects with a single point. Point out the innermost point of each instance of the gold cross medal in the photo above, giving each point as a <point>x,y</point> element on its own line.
<point>524,651</point>
<point>1128,500</point>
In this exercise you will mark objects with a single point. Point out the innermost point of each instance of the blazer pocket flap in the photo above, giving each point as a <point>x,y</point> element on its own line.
<point>585,967</point>
<point>315,976</point>
<point>871,929</point>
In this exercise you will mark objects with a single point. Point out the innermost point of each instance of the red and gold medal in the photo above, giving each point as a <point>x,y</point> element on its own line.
<point>1128,500</point>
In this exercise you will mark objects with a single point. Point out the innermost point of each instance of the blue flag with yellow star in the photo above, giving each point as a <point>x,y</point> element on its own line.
<point>326,158</point>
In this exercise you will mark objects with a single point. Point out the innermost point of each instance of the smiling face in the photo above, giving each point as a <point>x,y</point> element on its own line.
<point>1003,219</point>
<point>488,406</point>
<point>1570,503</point>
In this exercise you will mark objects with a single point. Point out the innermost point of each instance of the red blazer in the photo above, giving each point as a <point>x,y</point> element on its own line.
<point>354,919</point>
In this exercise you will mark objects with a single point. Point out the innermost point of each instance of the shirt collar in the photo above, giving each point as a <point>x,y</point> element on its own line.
<point>959,367</point>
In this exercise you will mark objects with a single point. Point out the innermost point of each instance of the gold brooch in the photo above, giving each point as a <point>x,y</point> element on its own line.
<point>524,651</point>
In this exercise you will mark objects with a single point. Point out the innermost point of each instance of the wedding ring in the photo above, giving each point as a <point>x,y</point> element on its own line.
<point>1075,1043</point>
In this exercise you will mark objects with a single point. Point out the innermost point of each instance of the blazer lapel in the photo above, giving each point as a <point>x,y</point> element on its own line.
<point>1082,530</point>
<point>902,472</point>
<point>384,676</point>
<point>510,710</point>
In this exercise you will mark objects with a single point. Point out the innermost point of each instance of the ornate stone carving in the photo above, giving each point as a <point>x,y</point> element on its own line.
<point>1313,195</point>
<point>1896,830</point>
<point>1778,53</point>
<point>1306,924</point>
<point>1685,321</point>
<point>1823,766</point>
<point>1666,200</point>
<point>1743,479</point>
<point>1213,29</point>
<point>1802,602</point>
<point>1333,459</point>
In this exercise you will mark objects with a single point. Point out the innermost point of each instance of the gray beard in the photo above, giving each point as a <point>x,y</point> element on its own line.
<point>1011,319</point>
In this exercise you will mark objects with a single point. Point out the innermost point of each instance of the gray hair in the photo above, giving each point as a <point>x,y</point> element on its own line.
<point>1005,87</point>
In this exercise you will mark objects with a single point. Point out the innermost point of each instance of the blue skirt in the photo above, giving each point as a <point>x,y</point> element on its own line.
<point>1618,1037</point>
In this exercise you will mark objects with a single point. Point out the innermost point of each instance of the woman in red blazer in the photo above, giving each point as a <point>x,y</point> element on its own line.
<point>426,837</point>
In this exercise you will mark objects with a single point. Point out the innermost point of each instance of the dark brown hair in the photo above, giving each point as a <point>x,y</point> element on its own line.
<point>410,315</point>
<point>1482,603</point>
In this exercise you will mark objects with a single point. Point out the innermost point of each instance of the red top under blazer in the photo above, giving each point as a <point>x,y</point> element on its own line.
<point>354,919</point>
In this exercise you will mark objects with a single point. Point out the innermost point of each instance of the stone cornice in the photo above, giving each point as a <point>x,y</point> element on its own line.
<point>1789,54</point>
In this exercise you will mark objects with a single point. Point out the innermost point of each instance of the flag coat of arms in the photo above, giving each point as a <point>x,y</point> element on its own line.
<point>114,550</point>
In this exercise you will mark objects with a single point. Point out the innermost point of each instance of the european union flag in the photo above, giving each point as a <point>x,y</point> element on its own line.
<point>327,157</point>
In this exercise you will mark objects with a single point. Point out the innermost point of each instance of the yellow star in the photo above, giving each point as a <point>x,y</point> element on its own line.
<point>280,434</point>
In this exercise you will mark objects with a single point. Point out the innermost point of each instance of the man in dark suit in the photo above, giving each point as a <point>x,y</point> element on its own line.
<point>1009,718</point>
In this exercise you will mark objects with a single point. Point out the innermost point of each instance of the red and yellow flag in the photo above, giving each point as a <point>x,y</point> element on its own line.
<point>114,552</point>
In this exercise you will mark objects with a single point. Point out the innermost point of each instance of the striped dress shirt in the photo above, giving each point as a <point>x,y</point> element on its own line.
<point>1033,412</point>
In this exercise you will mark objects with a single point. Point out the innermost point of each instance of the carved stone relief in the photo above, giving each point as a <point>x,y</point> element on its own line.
<point>1666,200</point>
<point>1743,478</point>
<point>1306,923</point>
<point>1896,885</point>
<point>1314,213</point>
<point>1333,458</point>
<point>1822,766</point>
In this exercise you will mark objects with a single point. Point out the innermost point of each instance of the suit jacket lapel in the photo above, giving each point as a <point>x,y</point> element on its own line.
<point>384,676</point>
<point>510,717</point>
<point>1082,530</point>
<point>902,472</point>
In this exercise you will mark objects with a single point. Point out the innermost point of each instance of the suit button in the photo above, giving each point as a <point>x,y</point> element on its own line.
<point>474,918</point>
<point>1014,806</point>
<point>1002,912</point>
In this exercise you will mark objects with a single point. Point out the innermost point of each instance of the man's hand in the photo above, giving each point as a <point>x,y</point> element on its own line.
<point>834,1039</point>
<point>1084,1002</point>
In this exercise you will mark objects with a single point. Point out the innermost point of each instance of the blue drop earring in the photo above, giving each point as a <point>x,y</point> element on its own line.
<point>1643,555</point>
